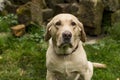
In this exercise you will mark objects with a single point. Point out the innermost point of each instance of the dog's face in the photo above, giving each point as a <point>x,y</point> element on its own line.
<point>65,31</point>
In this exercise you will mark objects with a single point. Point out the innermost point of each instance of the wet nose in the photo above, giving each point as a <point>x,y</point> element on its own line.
<point>67,36</point>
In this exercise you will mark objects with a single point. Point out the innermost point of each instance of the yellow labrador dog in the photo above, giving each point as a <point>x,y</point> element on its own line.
<point>66,58</point>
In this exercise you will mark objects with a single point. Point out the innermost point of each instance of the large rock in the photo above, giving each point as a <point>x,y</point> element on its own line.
<point>36,11</point>
<point>31,11</point>
<point>2,5</point>
<point>90,14</point>
<point>115,17</point>
<point>47,14</point>
<point>66,8</point>
<point>19,2</point>
<point>7,7</point>
<point>24,13</point>
<point>18,30</point>
<point>111,5</point>
<point>52,3</point>
<point>61,8</point>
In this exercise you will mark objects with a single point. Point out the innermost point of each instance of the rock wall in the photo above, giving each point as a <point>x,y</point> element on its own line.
<point>92,13</point>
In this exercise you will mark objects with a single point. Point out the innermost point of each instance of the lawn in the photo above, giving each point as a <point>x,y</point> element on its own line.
<point>23,58</point>
<point>105,51</point>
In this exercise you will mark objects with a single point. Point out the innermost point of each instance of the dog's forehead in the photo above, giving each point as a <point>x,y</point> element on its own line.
<point>65,17</point>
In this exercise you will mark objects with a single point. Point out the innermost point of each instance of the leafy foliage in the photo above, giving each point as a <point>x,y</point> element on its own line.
<point>114,31</point>
<point>7,21</point>
<point>105,51</point>
<point>23,58</point>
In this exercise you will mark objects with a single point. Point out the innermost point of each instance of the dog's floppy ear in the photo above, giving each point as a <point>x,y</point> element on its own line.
<point>83,34</point>
<point>48,33</point>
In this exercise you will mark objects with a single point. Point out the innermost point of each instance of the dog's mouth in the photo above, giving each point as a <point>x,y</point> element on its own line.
<point>65,45</point>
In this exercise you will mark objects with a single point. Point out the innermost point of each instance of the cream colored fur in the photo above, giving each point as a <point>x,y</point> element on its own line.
<point>68,62</point>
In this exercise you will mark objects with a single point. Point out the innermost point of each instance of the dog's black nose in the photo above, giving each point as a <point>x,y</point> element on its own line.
<point>67,36</point>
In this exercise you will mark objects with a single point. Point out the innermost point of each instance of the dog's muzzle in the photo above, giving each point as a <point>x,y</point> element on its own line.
<point>66,37</point>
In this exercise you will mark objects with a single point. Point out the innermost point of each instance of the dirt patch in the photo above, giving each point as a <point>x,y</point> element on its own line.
<point>93,39</point>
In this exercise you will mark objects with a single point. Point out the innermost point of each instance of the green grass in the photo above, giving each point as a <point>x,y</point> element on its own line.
<point>23,58</point>
<point>7,21</point>
<point>106,51</point>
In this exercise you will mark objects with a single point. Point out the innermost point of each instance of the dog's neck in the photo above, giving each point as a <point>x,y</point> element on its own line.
<point>75,49</point>
<point>64,51</point>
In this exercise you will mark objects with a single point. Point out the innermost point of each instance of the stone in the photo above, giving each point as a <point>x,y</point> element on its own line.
<point>52,3</point>
<point>36,11</point>
<point>47,14</point>
<point>18,30</point>
<point>111,5</point>
<point>74,7</point>
<point>31,12</point>
<point>115,17</point>
<point>2,5</point>
<point>20,2</point>
<point>90,14</point>
<point>70,1</point>
<point>24,13</point>
<point>7,7</point>
<point>66,8</point>
<point>62,8</point>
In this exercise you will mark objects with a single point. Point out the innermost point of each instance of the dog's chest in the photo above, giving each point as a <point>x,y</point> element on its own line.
<point>65,68</point>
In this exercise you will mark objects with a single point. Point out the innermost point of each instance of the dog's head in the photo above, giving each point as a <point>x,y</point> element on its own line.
<point>65,30</point>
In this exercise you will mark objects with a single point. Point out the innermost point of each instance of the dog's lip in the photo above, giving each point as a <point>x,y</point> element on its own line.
<point>63,45</point>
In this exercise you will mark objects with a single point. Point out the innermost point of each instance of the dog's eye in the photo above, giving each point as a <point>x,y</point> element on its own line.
<point>58,23</point>
<point>73,23</point>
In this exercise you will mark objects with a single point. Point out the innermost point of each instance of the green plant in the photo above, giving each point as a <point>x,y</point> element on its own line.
<point>3,42</point>
<point>7,21</point>
<point>35,32</point>
<point>23,58</point>
<point>114,31</point>
<point>105,51</point>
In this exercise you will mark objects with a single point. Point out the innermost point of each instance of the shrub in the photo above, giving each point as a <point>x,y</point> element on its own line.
<point>114,31</point>
<point>23,58</point>
<point>7,21</point>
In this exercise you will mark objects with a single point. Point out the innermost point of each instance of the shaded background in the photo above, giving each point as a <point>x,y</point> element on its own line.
<point>94,14</point>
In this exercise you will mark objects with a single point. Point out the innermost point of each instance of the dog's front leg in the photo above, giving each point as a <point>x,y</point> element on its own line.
<point>50,76</point>
<point>77,77</point>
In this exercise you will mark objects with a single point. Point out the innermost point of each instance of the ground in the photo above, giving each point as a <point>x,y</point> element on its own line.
<point>23,58</point>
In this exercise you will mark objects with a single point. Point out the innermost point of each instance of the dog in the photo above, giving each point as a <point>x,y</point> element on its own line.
<point>66,58</point>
